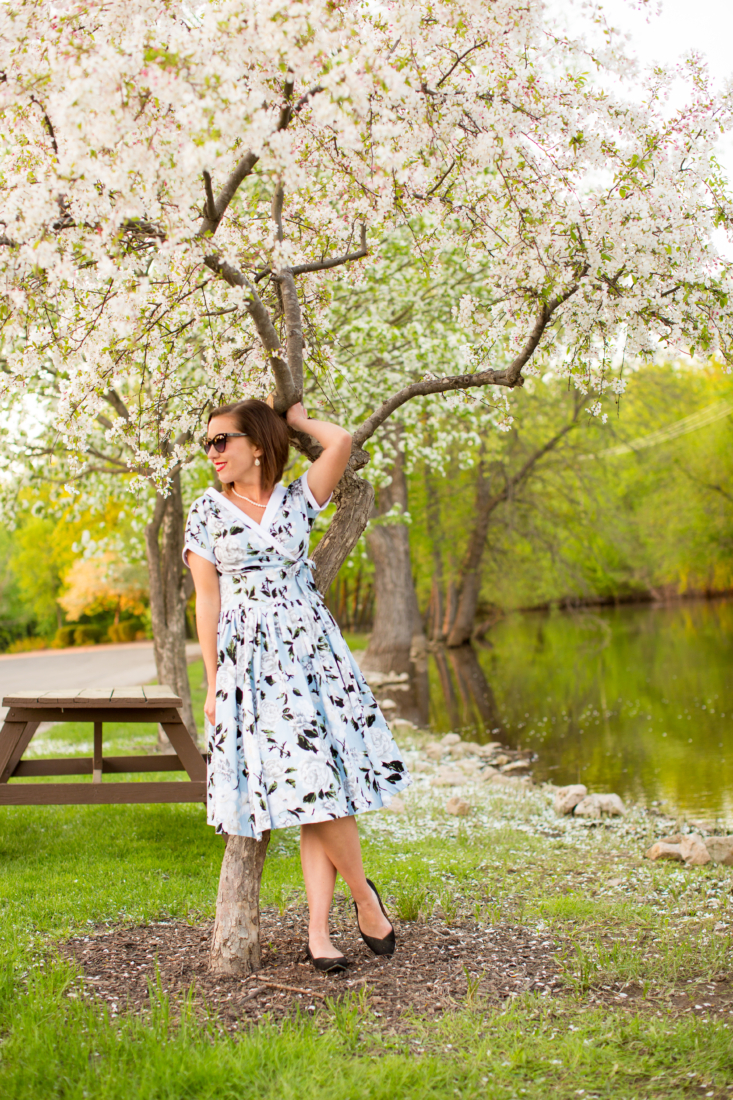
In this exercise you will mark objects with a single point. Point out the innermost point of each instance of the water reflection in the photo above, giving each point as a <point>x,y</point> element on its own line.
<point>635,700</point>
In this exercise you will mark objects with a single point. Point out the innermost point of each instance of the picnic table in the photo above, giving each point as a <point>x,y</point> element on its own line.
<point>152,703</point>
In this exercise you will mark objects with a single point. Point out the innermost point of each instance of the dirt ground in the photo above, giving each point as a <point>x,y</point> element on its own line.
<point>436,968</point>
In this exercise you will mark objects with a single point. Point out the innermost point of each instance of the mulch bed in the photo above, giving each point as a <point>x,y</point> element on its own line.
<point>437,968</point>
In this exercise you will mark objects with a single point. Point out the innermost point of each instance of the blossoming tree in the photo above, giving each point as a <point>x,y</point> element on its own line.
<point>178,183</point>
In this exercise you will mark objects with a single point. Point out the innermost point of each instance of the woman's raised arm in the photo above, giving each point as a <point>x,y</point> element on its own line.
<point>325,472</point>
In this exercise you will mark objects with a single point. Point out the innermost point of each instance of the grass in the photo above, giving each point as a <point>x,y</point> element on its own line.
<point>68,868</point>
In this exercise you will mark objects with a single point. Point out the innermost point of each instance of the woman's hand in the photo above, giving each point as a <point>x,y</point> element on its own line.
<point>210,705</point>
<point>297,417</point>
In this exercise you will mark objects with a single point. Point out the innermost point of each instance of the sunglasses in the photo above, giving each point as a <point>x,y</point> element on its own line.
<point>219,442</point>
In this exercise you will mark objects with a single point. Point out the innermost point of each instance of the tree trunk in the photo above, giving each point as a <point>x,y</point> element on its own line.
<point>169,591</point>
<point>459,631</point>
<point>396,617</point>
<point>435,623</point>
<point>235,945</point>
<point>461,628</point>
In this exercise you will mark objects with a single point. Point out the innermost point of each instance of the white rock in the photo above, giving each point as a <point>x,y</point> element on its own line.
<point>517,767</point>
<point>448,777</point>
<point>469,766</point>
<point>567,798</point>
<point>660,850</point>
<point>401,725</point>
<point>450,739</point>
<point>418,766</point>
<point>460,750</point>
<point>490,749</point>
<point>611,804</point>
<point>589,806</point>
<point>694,851</point>
<point>720,849</point>
<point>458,807</point>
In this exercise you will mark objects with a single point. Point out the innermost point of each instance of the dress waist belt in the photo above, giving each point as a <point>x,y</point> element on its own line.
<point>298,572</point>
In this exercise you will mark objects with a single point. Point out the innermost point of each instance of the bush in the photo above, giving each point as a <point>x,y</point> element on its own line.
<point>87,634</point>
<point>126,631</point>
<point>63,637</point>
<point>26,645</point>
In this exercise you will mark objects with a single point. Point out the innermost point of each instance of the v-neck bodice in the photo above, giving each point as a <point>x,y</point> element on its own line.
<point>270,509</point>
<point>235,543</point>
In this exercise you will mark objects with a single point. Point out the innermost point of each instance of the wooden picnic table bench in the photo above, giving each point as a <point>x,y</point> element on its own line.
<point>152,703</point>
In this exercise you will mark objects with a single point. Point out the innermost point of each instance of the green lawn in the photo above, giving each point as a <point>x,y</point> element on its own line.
<point>65,869</point>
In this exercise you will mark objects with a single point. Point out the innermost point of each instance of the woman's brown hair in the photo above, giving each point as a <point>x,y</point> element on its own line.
<point>265,429</point>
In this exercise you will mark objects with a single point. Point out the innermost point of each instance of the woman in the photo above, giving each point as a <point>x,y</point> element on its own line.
<point>295,734</point>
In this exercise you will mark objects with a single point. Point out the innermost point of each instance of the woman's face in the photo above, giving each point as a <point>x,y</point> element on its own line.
<point>237,461</point>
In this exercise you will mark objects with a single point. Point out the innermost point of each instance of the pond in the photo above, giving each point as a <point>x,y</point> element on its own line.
<point>633,699</point>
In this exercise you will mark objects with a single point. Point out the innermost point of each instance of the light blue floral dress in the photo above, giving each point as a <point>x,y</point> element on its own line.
<point>298,736</point>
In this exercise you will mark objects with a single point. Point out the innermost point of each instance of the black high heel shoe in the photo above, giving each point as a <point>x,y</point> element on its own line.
<point>384,946</point>
<point>327,966</point>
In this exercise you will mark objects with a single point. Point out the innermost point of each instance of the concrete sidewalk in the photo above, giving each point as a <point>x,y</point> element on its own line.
<point>99,666</point>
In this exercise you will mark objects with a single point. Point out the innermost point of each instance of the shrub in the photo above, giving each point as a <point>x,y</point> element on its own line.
<point>26,645</point>
<point>87,634</point>
<point>63,637</point>
<point>126,631</point>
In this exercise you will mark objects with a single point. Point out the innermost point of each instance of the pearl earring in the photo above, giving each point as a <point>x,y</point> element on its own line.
<point>257,462</point>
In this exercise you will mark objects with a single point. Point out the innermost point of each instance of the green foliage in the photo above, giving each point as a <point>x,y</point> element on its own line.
<point>591,525</point>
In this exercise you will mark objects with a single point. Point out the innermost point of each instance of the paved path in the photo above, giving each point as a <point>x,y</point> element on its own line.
<point>100,666</point>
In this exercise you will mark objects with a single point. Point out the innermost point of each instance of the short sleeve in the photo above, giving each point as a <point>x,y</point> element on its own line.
<point>312,507</point>
<point>197,533</point>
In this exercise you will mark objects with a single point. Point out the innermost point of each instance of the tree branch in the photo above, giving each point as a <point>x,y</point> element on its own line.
<point>293,329</point>
<point>113,398</point>
<point>286,394</point>
<point>323,265</point>
<point>422,389</point>
<point>47,121</point>
<point>278,201</point>
<point>217,210</point>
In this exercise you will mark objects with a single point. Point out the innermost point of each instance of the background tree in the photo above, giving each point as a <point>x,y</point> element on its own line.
<point>168,179</point>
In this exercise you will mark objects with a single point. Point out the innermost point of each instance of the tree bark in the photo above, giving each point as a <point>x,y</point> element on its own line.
<point>396,616</point>
<point>461,627</point>
<point>169,592</point>
<point>354,498</point>
<point>235,945</point>
<point>459,631</point>
<point>435,624</point>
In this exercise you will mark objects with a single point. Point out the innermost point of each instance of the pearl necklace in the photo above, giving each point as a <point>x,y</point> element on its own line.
<point>249,501</point>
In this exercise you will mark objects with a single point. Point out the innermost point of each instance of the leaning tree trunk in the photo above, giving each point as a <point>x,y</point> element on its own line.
<point>168,596</point>
<point>396,615</point>
<point>235,945</point>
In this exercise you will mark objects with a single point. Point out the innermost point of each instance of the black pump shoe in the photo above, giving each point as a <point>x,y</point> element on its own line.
<point>327,965</point>
<point>385,946</point>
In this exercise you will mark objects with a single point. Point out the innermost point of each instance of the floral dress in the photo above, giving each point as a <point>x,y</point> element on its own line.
<point>298,736</point>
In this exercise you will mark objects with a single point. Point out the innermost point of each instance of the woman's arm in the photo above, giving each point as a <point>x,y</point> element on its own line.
<point>325,473</point>
<point>206,580</point>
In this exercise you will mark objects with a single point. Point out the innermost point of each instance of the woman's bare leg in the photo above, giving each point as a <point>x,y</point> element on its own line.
<point>319,875</point>
<point>325,848</point>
